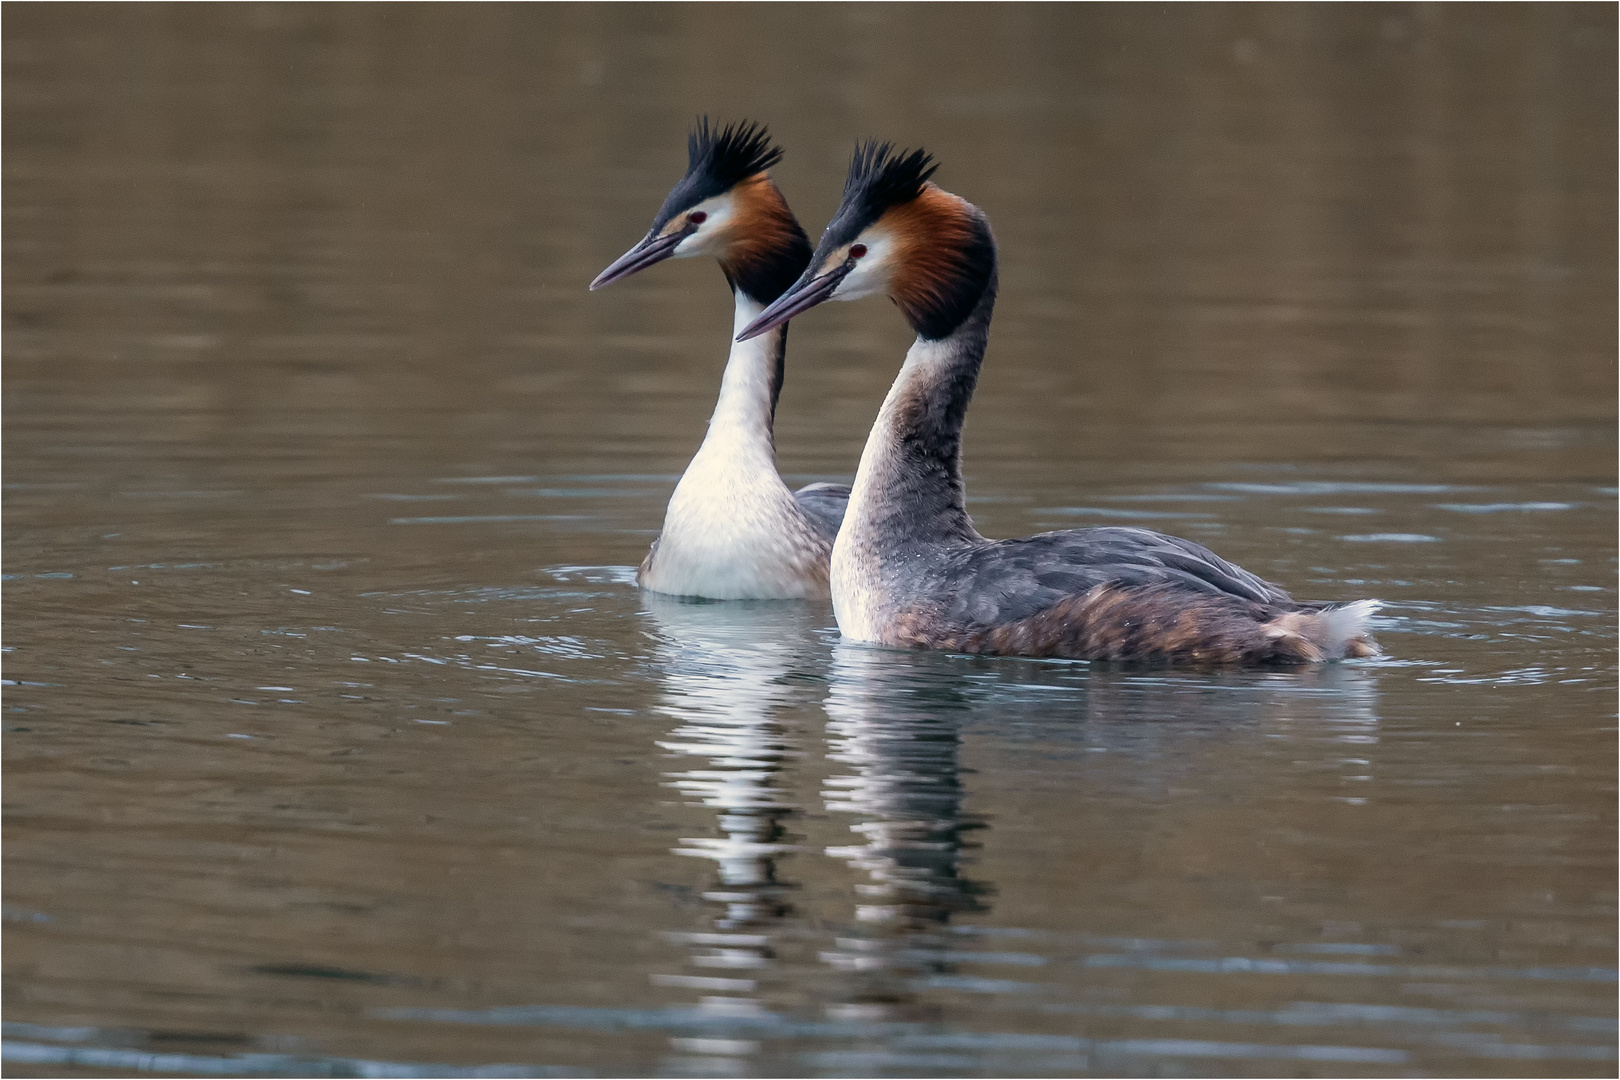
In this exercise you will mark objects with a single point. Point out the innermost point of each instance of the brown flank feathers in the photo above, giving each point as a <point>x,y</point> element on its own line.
<point>1152,623</point>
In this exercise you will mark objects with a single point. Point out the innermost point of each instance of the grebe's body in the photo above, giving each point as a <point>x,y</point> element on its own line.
<point>908,567</point>
<point>733,530</point>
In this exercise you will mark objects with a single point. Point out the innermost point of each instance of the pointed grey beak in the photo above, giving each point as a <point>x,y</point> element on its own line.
<point>654,249</point>
<point>801,297</point>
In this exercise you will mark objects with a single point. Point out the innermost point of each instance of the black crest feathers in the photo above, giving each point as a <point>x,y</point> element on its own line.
<point>949,257</point>
<point>719,158</point>
<point>724,156</point>
<point>765,248</point>
<point>881,178</point>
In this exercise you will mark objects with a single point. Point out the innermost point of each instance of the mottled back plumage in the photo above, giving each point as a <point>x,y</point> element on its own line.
<point>1112,593</point>
<point>825,503</point>
<point>1007,580</point>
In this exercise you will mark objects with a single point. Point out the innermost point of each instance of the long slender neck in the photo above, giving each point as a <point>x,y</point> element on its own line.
<point>745,413</point>
<point>908,488</point>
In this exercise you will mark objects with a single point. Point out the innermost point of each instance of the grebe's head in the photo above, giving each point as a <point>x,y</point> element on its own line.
<point>726,206</point>
<point>896,233</point>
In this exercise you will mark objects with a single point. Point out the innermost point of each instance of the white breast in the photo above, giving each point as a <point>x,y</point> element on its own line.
<point>733,530</point>
<point>735,533</point>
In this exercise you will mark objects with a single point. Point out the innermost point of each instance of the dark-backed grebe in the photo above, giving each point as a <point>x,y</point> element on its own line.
<point>733,530</point>
<point>909,569</point>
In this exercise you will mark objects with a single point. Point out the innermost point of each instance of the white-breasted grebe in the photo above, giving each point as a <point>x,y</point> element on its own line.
<point>733,530</point>
<point>909,569</point>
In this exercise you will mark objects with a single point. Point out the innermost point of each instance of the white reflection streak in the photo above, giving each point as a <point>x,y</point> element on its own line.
<point>895,726</point>
<point>725,677</point>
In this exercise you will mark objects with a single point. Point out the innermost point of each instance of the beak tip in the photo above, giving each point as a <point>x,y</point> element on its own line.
<point>800,297</point>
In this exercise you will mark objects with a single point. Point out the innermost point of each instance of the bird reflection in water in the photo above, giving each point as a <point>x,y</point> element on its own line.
<point>747,686</point>
<point>896,724</point>
<point>732,674</point>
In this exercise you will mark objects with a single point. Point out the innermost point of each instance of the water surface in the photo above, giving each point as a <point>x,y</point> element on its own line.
<point>340,742</point>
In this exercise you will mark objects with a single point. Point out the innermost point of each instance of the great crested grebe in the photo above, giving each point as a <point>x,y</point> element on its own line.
<point>910,570</point>
<point>733,530</point>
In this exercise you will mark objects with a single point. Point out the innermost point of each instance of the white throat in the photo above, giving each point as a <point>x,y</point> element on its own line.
<point>743,413</point>
<point>733,530</point>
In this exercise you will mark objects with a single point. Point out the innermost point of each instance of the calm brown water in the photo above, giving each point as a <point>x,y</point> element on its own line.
<point>339,742</point>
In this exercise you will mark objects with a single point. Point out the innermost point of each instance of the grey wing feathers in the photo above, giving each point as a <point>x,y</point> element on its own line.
<point>824,502</point>
<point>1013,579</point>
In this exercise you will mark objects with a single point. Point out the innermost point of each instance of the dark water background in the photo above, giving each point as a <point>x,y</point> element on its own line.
<point>338,741</point>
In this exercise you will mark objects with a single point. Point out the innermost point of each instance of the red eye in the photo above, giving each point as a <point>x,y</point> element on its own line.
<point>697,217</point>
<point>857,250</point>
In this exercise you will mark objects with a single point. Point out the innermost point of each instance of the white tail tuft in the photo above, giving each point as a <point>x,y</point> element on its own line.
<point>1347,624</point>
